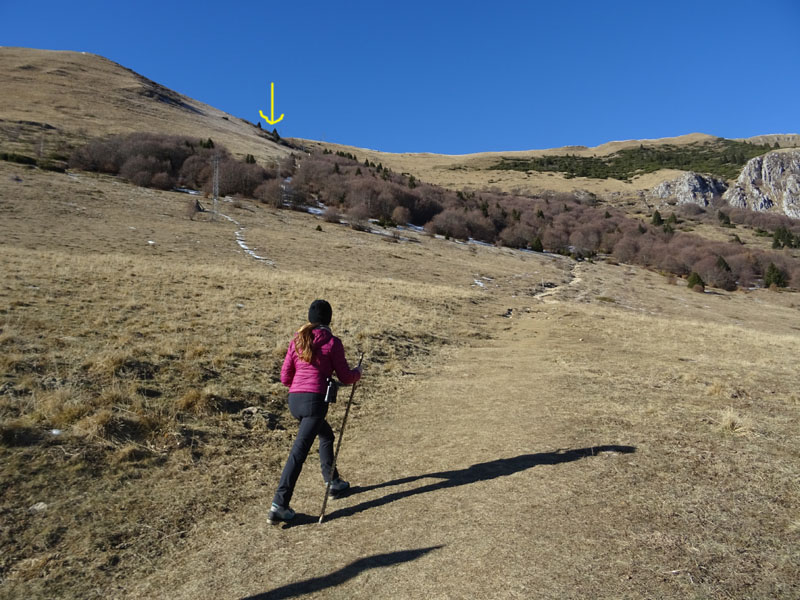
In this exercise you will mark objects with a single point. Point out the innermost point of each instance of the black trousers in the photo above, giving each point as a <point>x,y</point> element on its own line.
<point>310,410</point>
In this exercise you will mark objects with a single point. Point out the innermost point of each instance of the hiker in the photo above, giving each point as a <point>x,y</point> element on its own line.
<point>313,355</point>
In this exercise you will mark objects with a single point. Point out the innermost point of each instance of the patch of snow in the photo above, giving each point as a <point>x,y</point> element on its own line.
<point>186,191</point>
<point>242,243</point>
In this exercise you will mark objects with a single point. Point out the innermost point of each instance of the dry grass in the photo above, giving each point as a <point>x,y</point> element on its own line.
<point>79,96</point>
<point>140,405</point>
<point>129,365</point>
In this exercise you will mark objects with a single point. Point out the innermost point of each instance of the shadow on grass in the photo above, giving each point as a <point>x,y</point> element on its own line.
<point>478,472</point>
<point>317,584</point>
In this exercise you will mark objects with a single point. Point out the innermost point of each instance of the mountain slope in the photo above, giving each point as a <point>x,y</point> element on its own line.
<point>59,99</point>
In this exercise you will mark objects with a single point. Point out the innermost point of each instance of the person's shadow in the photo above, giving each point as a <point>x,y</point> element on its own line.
<point>317,584</point>
<point>478,472</point>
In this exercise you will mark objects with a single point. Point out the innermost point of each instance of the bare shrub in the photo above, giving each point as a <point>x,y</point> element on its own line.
<point>480,227</point>
<point>450,223</point>
<point>713,274</point>
<point>358,217</point>
<point>331,215</point>
<point>517,236</point>
<point>162,181</point>
<point>626,249</point>
<point>195,171</point>
<point>401,215</point>
<point>239,178</point>
<point>270,193</point>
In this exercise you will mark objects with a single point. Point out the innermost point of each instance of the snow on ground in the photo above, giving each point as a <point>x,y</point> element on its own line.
<point>240,239</point>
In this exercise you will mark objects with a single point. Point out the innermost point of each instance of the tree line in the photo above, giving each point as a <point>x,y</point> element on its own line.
<point>571,224</point>
<point>722,158</point>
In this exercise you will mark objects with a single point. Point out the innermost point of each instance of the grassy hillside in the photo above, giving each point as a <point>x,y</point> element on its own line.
<point>143,428</point>
<point>53,101</point>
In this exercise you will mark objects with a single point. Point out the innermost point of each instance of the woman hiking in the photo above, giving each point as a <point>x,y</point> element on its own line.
<point>313,355</point>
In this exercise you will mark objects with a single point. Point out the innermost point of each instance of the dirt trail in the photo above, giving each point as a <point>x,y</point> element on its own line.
<point>461,487</point>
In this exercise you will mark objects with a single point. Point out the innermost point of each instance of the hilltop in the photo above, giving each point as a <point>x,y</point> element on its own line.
<point>53,101</point>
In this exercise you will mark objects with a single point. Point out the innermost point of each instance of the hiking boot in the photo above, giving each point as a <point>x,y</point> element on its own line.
<point>338,485</point>
<point>279,513</point>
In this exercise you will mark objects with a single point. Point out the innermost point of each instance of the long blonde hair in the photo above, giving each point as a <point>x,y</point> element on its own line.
<point>304,340</point>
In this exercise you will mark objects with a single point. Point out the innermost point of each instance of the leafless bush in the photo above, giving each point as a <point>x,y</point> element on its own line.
<point>270,193</point>
<point>401,215</point>
<point>450,223</point>
<point>626,249</point>
<point>332,215</point>
<point>358,217</point>
<point>517,236</point>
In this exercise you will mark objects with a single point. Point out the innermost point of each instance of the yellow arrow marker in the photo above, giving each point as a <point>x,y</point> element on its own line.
<point>271,120</point>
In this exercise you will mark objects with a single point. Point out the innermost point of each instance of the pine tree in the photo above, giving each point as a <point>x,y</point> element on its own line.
<point>657,220</point>
<point>694,280</point>
<point>774,275</point>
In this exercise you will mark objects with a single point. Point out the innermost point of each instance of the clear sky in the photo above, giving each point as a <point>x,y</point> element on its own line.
<point>453,77</point>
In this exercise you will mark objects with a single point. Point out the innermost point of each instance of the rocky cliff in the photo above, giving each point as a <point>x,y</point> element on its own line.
<point>690,188</point>
<point>769,182</point>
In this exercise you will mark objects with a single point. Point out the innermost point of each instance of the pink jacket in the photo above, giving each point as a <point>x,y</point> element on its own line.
<point>328,356</point>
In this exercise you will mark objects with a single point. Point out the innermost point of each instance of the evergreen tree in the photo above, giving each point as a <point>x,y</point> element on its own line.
<point>695,279</point>
<point>657,220</point>
<point>774,275</point>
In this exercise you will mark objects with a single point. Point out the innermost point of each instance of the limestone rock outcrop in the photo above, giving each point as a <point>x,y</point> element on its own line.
<point>767,182</point>
<point>690,188</point>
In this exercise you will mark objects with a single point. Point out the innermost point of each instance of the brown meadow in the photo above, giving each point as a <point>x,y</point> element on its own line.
<point>562,430</point>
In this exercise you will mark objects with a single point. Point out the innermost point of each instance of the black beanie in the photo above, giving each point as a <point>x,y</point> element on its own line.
<point>320,312</point>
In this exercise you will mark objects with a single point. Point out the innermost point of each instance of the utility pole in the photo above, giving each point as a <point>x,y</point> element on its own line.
<point>215,162</point>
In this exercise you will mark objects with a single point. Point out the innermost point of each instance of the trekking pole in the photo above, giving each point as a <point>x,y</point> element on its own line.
<point>338,445</point>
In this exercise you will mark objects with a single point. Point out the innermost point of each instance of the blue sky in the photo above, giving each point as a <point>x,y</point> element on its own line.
<point>454,77</point>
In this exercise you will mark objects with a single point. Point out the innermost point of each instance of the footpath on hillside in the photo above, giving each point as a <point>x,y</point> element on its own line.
<point>461,490</point>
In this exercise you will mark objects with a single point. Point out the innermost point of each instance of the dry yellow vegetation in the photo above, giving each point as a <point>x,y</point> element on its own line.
<point>53,100</point>
<point>563,430</point>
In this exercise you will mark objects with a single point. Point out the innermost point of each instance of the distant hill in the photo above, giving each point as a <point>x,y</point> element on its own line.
<point>475,171</point>
<point>53,100</point>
